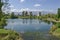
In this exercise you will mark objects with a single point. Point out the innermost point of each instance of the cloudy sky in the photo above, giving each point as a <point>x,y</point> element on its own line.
<point>46,5</point>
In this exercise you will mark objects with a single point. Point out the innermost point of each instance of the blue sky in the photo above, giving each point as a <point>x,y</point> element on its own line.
<point>42,5</point>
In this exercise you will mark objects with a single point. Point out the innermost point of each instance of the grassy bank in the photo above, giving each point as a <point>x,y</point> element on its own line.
<point>55,30</point>
<point>9,35</point>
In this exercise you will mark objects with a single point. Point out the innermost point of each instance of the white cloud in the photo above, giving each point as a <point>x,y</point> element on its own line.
<point>13,10</point>
<point>24,9</point>
<point>27,9</point>
<point>22,0</point>
<point>11,6</point>
<point>37,5</point>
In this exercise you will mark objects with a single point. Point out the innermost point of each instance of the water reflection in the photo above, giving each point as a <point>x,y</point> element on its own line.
<point>33,21</point>
<point>27,21</point>
<point>23,25</point>
<point>32,29</point>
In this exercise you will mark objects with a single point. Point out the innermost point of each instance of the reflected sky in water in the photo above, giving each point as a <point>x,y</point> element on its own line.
<point>24,25</point>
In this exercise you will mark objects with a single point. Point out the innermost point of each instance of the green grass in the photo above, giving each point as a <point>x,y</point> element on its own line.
<point>9,35</point>
<point>57,32</point>
<point>3,31</point>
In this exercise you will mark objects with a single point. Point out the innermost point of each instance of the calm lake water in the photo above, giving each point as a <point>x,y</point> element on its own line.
<point>31,25</point>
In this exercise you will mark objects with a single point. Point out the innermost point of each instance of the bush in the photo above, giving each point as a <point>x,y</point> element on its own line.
<point>58,25</point>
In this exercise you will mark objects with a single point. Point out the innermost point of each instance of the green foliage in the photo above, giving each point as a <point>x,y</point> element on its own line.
<point>58,25</point>
<point>2,22</point>
<point>9,35</point>
<point>58,30</point>
<point>13,16</point>
<point>2,19</point>
<point>39,13</point>
<point>0,9</point>
<point>58,12</point>
<point>1,4</point>
<point>23,13</point>
<point>26,13</point>
<point>31,14</point>
<point>57,33</point>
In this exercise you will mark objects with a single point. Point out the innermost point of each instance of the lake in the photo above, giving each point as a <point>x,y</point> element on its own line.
<point>31,29</point>
<point>25,25</point>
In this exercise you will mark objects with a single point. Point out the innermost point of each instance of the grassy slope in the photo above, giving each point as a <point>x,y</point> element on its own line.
<point>57,32</point>
<point>3,31</point>
<point>9,35</point>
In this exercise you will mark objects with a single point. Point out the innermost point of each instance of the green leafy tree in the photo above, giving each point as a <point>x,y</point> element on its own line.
<point>12,15</point>
<point>1,4</point>
<point>23,13</point>
<point>26,13</point>
<point>2,19</point>
<point>58,12</point>
<point>39,13</point>
<point>31,14</point>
